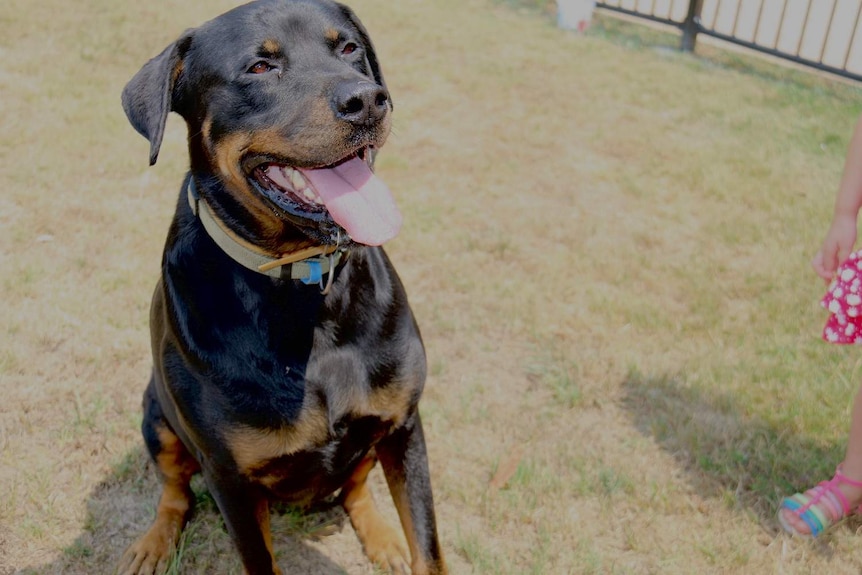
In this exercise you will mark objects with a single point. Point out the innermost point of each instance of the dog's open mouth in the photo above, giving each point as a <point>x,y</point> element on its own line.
<point>348,192</point>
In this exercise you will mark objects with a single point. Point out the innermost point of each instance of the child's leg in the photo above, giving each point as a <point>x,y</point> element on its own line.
<point>851,468</point>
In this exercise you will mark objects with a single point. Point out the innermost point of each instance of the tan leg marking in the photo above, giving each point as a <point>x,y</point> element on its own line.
<point>262,514</point>
<point>152,551</point>
<point>381,541</point>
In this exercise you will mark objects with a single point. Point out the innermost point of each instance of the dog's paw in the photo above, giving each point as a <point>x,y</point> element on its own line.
<point>150,554</point>
<point>384,548</point>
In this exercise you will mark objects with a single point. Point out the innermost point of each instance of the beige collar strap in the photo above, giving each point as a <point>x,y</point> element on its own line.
<point>308,265</point>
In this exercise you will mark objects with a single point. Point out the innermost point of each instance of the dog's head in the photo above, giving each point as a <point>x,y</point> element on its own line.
<point>286,106</point>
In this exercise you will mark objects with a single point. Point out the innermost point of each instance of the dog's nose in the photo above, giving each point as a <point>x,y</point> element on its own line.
<point>360,103</point>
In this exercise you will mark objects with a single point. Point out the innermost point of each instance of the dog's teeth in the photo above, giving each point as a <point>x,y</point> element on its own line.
<point>297,180</point>
<point>309,195</point>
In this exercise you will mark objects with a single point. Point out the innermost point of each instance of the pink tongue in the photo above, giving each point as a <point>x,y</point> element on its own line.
<point>358,200</point>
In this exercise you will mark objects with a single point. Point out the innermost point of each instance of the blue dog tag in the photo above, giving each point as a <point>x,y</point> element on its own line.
<point>315,273</point>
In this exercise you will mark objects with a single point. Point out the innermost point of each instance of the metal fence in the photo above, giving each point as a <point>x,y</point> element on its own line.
<point>823,34</point>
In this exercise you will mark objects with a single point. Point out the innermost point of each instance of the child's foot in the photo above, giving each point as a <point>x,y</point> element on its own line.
<point>820,507</point>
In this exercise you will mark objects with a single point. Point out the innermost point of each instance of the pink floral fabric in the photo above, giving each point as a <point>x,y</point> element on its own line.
<point>844,300</point>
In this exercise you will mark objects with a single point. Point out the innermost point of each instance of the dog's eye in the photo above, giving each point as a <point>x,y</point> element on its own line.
<point>260,68</point>
<point>349,49</point>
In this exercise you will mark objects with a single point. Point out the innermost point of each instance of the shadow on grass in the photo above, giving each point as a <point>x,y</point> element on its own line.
<point>746,461</point>
<point>122,507</point>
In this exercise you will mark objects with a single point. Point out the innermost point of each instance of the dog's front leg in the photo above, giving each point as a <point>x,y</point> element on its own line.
<point>405,463</point>
<point>245,510</point>
<point>381,542</point>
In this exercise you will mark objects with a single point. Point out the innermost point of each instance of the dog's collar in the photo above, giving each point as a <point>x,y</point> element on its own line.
<point>308,265</point>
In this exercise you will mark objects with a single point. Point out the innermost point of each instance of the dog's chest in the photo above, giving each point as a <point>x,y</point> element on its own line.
<point>313,457</point>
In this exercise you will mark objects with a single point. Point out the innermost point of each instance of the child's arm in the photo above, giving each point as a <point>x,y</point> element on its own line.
<point>842,233</point>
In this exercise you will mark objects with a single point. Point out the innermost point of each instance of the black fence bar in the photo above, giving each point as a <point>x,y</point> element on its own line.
<point>692,25</point>
<point>736,17</point>
<point>780,25</point>
<point>804,27</point>
<point>828,27</point>
<point>759,17</point>
<point>852,41</point>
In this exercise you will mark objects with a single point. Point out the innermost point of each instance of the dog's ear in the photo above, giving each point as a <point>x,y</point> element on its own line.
<point>369,47</point>
<point>149,95</point>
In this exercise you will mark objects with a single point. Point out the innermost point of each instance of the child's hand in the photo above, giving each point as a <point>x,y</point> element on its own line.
<point>836,247</point>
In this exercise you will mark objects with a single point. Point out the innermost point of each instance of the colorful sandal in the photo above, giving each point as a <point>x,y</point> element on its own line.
<point>820,507</point>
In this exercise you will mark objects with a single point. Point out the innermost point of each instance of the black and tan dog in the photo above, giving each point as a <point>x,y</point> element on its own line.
<point>287,361</point>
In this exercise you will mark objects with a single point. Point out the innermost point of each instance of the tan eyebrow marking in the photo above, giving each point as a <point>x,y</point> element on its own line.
<point>271,46</point>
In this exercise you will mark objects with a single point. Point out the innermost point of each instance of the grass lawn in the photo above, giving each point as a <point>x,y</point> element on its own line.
<point>606,244</point>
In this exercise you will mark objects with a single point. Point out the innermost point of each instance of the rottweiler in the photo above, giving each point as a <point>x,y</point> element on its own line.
<point>286,359</point>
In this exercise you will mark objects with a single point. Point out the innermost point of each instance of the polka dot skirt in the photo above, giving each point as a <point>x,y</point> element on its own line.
<point>844,300</point>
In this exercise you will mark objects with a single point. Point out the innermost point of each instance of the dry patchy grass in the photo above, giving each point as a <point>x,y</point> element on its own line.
<point>606,247</point>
